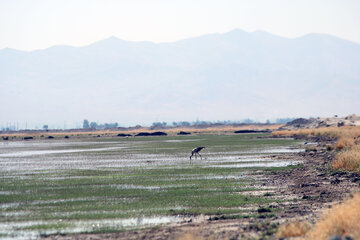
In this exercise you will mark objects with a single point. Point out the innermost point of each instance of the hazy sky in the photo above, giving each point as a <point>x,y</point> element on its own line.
<point>37,24</point>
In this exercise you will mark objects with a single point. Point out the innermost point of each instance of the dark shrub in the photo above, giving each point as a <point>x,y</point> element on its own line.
<point>141,134</point>
<point>124,135</point>
<point>183,133</point>
<point>158,134</point>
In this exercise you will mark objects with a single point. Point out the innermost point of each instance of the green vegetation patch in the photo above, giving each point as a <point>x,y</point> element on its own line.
<point>48,226</point>
<point>134,192</point>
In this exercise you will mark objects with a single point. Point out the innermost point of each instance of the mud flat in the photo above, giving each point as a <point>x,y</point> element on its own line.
<point>244,186</point>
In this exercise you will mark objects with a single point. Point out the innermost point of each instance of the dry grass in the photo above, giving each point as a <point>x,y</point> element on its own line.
<point>190,236</point>
<point>223,128</point>
<point>171,131</point>
<point>287,133</point>
<point>336,132</point>
<point>69,133</point>
<point>344,143</point>
<point>348,159</point>
<point>347,145</point>
<point>342,220</point>
<point>293,229</point>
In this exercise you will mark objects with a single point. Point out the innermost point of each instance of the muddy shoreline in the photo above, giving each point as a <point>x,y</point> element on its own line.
<point>305,191</point>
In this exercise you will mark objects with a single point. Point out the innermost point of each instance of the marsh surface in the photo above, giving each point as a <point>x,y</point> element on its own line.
<point>113,184</point>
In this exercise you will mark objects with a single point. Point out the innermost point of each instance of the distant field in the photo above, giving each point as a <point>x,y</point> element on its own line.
<point>113,184</point>
<point>81,133</point>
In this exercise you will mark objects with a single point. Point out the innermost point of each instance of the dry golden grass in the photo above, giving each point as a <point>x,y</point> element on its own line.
<point>286,133</point>
<point>223,128</point>
<point>293,229</point>
<point>347,145</point>
<point>171,131</point>
<point>348,159</point>
<point>190,236</point>
<point>342,220</point>
<point>344,143</point>
<point>336,132</point>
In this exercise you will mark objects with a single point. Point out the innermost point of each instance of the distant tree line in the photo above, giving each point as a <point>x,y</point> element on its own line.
<point>94,125</point>
<point>9,128</point>
<point>159,124</point>
<point>227,122</point>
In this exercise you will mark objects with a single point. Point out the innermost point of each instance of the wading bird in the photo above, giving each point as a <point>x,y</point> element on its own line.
<point>196,151</point>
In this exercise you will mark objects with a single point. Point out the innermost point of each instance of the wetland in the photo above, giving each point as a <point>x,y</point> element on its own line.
<point>145,185</point>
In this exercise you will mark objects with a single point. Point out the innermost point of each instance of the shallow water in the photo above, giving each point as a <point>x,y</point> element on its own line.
<point>82,226</point>
<point>43,152</point>
<point>262,164</point>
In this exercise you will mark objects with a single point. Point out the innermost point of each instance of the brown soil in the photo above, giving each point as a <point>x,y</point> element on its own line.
<point>314,185</point>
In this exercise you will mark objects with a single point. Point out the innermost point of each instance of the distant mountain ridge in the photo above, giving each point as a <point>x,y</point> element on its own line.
<point>234,75</point>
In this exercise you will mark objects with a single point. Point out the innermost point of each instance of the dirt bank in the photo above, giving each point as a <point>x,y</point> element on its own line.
<point>303,192</point>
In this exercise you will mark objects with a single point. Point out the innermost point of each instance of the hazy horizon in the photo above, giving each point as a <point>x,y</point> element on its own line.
<point>138,62</point>
<point>214,77</point>
<point>179,40</point>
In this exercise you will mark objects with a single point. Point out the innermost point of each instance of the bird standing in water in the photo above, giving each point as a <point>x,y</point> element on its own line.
<point>196,151</point>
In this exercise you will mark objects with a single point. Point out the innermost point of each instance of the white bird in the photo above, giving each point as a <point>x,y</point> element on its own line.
<point>196,151</point>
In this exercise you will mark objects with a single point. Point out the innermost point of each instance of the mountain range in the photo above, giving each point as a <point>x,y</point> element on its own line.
<point>228,76</point>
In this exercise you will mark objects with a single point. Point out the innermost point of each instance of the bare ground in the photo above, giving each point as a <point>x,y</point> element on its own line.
<point>314,186</point>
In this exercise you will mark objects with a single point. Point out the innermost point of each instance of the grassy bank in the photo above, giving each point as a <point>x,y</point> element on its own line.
<point>347,144</point>
<point>343,219</point>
